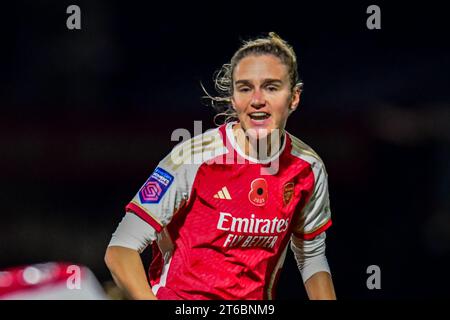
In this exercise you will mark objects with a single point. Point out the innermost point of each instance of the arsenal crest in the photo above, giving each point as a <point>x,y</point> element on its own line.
<point>288,192</point>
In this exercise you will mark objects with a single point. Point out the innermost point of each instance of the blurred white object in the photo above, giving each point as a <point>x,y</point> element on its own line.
<point>50,281</point>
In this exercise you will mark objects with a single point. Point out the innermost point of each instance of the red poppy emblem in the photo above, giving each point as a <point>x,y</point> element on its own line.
<point>258,192</point>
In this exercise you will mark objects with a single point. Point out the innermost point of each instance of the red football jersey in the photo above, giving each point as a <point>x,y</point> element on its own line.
<point>223,223</point>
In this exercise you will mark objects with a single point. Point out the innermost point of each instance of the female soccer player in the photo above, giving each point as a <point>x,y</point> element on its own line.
<point>221,209</point>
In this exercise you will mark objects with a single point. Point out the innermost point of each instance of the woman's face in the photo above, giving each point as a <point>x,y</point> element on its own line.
<point>262,95</point>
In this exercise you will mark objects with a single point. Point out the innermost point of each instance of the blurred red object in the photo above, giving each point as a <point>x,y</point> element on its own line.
<point>50,281</point>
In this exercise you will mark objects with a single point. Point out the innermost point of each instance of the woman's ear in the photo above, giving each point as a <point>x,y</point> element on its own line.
<point>295,100</point>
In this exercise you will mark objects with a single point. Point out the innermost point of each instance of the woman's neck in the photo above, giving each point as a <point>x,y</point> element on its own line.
<point>261,149</point>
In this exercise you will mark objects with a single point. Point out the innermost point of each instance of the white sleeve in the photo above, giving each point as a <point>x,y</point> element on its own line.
<point>310,255</point>
<point>133,233</point>
<point>164,193</point>
<point>316,215</point>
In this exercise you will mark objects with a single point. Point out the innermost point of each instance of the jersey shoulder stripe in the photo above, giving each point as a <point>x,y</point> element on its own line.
<point>196,150</point>
<point>316,217</point>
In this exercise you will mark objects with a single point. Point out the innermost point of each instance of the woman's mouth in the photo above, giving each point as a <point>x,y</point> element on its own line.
<point>259,118</point>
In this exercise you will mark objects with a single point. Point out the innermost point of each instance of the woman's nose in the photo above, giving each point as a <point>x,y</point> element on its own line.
<point>258,99</point>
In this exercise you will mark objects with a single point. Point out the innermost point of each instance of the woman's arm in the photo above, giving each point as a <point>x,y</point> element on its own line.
<point>320,287</point>
<point>313,266</point>
<point>128,272</point>
<point>123,258</point>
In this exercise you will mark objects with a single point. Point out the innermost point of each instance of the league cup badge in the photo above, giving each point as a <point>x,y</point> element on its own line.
<point>258,192</point>
<point>288,192</point>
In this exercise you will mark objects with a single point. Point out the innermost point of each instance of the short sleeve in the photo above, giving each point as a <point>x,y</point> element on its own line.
<point>315,217</point>
<point>164,192</point>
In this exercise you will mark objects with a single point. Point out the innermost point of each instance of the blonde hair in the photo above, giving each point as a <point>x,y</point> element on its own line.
<point>223,78</point>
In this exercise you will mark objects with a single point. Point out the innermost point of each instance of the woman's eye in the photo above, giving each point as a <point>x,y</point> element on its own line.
<point>244,89</point>
<point>272,88</point>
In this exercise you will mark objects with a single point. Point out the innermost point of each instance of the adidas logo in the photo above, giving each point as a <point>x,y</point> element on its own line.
<point>223,194</point>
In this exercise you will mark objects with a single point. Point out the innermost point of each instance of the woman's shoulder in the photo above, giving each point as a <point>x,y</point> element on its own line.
<point>196,150</point>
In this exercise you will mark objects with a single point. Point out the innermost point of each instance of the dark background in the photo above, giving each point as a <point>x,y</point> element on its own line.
<point>86,115</point>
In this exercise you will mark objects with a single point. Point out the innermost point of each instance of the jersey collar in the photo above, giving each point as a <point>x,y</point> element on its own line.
<point>232,145</point>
